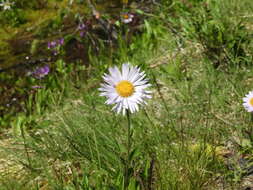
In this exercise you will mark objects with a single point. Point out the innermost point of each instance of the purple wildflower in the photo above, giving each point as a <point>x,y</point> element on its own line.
<point>82,29</point>
<point>82,33</point>
<point>53,44</point>
<point>61,41</point>
<point>81,26</point>
<point>41,72</point>
<point>48,45</point>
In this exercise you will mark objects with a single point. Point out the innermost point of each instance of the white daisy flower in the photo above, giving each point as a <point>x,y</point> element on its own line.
<point>126,88</point>
<point>6,5</point>
<point>127,18</point>
<point>248,102</point>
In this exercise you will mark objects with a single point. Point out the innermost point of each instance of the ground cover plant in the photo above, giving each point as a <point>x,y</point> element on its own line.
<point>194,133</point>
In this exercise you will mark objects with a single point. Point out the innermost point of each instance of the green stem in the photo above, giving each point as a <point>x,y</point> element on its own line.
<point>128,133</point>
<point>128,149</point>
<point>251,128</point>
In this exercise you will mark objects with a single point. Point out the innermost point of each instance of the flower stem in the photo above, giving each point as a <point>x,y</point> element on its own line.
<point>128,161</point>
<point>251,128</point>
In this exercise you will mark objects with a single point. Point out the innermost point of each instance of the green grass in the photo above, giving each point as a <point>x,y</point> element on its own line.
<point>191,134</point>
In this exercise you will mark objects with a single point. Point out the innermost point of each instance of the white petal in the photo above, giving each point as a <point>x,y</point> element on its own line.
<point>125,71</point>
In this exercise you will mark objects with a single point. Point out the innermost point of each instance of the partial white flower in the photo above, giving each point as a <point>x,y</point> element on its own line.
<point>248,102</point>
<point>6,5</point>
<point>126,88</point>
<point>127,18</point>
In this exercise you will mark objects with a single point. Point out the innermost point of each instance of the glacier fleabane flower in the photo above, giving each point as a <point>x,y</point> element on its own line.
<point>248,101</point>
<point>6,5</point>
<point>125,88</point>
<point>127,18</point>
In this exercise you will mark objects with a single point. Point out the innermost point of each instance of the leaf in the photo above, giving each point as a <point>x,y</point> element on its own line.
<point>139,11</point>
<point>134,154</point>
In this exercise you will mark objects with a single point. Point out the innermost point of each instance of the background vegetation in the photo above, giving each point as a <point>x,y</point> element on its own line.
<point>193,134</point>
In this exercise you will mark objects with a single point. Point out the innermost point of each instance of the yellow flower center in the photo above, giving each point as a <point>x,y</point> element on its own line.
<point>125,88</point>
<point>251,101</point>
<point>125,16</point>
